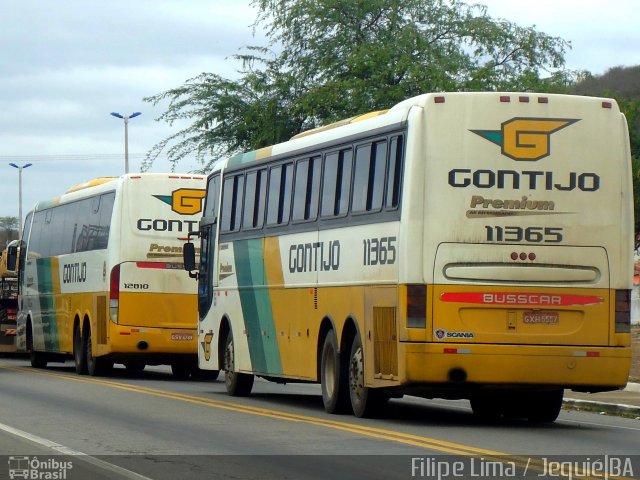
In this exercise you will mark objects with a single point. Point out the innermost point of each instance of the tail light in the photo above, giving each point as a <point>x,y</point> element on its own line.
<point>114,293</point>
<point>623,311</point>
<point>416,306</point>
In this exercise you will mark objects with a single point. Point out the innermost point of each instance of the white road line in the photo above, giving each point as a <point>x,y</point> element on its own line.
<point>64,450</point>
<point>562,420</point>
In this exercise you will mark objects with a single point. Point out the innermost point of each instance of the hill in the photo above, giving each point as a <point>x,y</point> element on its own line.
<point>618,82</point>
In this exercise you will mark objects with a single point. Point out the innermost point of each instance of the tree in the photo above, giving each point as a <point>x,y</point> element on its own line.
<point>8,229</point>
<point>332,59</point>
<point>622,84</point>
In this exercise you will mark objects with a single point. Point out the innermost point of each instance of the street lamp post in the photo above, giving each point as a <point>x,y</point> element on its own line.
<point>126,136</point>
<point>20,168</point>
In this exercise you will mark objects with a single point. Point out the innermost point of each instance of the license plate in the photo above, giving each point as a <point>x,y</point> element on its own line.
<point>182,336</point>
<point>546,317</point>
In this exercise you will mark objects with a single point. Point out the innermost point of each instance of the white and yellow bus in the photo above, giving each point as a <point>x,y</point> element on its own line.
<point>458,245</point>
<point>101,275</point>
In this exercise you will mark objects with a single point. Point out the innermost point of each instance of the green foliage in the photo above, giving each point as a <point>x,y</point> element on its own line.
<point>337,58</point>
<point>631,109</point>
<point>622,84</point>
<point>8,230</point>
<point>8,223</point>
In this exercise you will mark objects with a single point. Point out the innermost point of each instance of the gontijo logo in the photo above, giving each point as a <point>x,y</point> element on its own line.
<point>185,201</point>
<point>526,139</point>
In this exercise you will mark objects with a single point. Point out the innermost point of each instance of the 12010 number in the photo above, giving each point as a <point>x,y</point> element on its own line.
<point>528,234</point>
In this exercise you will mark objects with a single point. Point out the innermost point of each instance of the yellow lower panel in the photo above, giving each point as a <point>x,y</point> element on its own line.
<point>516,315</point>
<point>125,339</point>
<point>517,364</point>
<point>166,310</point>
<point>297,315</point>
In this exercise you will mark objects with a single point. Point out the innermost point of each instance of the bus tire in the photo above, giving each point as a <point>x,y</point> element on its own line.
<point>488,408</point>
<point>181,371</point>
<point>333,377</point>
<point>544,407</point>
<point>365,401</point>
<point>37,359</point>
<point>96,366</point>
<point>237,384</point>
<point>3,321</point>
<point>134,367</point>
<point>209,375</point>
<point>79,351</point>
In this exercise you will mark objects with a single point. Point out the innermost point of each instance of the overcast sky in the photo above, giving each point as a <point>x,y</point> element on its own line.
<point>66,65</point>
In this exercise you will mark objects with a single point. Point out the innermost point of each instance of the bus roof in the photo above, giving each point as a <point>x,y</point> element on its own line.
<point>105,184</point>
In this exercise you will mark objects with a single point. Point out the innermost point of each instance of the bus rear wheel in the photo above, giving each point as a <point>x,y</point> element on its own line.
<point>96,366</point>
<point>365,401</point>
<point>489,408</point>
<point>209,375</point>
<point>333,377</point>
<point>544,407</point>
<point>134,366</point>
<point>237,384</point>
<point>79,352</point>
<point>181,371</point>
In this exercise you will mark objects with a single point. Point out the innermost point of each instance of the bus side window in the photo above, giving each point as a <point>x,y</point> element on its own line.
<point>254,202</point>
<point>71,229</point>
<point>336,183</point>
<point>232,194</point>
<point>306,189</point>
<point>83,216</point>
<point>55,229</point>
<point>211,202</point>
<point>368,182</point>
<point>396,159</point>
<point>279,194</point>
<point>37,232</point>
<point>106,211</point>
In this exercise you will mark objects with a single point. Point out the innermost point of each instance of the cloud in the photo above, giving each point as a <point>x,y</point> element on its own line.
<point>67,65</point>
<point>601,35</point>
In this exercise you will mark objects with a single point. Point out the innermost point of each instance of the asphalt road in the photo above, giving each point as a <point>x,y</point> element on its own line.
<point>151,426</point>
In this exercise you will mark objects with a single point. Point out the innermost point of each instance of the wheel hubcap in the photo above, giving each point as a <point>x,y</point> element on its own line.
<point>329,374</point>
<point>228,363</point>
<point>356,375</point>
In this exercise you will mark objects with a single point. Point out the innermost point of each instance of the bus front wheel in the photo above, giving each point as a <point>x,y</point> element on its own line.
<point>38,359</point>
<point>237,384</point>
<point>365,401</point>
<point>333,377</point>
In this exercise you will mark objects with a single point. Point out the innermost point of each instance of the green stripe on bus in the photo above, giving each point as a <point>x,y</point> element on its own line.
<point>256,307</point>
<point>46,300</point>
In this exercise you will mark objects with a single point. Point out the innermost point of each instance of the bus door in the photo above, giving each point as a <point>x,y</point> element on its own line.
<point>208,274</point>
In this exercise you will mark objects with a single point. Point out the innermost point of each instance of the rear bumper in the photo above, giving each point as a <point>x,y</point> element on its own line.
<point>563,366</point>
<point>150,340</point>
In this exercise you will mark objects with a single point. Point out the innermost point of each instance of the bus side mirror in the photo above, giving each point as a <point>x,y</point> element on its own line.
<point>189,258</point>
<point>12,257</point>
